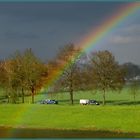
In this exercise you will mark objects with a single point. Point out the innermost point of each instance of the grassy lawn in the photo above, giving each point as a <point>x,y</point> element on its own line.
<point>116,118</point>
<point>120,113</point>
<point>112,97</point>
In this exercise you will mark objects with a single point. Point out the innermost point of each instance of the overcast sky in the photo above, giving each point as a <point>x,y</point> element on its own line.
<point>47,26</point>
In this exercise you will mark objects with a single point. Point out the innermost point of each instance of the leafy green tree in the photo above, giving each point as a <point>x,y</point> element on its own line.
<point>106,72</point>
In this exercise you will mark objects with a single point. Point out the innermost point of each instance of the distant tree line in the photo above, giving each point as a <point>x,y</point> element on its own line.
<point>133,71</point>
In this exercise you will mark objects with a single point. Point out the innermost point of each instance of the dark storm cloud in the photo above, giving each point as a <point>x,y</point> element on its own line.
<point>63,11</point>
<point>19,35</point>
<point>46,26</point>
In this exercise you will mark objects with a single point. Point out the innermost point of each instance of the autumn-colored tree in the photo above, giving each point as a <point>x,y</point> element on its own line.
<point>10,83</point>
<point>3,75</point>
<point>22,71</point>
<point>19,73</point>
<point>53,68</point>
<point>4,78</point>
<point>106,72</point>
<point>33,71</point>
<point>68,64</point>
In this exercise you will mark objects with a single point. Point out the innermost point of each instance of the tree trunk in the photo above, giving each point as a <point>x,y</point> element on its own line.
<point>8,95</point>
<point>8,100</point>
<point>71,96</point>
<point>134,98</point>
<point>22,95</point>
<point>103,96</point>
<point>33,92</point>
<point>71,87</point>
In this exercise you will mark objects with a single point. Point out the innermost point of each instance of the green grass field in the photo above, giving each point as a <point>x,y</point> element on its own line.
<point>112,97</point>
<point>120,114</point>
<point>113,118</point>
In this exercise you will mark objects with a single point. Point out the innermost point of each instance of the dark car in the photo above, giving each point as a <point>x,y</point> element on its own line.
<point>93,102</point>
<point>48,101</point>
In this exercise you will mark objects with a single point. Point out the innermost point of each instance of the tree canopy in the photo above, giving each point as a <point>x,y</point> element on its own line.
<point>106,72</point>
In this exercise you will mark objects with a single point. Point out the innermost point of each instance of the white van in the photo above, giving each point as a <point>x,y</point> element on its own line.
<point>84,101</point>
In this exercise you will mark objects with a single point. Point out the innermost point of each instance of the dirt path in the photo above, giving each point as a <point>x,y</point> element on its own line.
<point>47,133</point>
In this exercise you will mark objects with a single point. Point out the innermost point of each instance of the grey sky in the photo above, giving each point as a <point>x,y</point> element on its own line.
<point>46,26</point>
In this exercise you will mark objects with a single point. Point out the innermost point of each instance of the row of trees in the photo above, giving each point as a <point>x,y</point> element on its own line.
<point>20,74</point>
<point>24,74</point>
<point>99,72</point>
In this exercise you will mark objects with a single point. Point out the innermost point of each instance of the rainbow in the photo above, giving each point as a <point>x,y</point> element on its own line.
<point>95,36</point>
<point>89,42</point>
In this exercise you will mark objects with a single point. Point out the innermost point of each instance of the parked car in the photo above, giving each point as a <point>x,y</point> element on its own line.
<point>48,101</point>
<point>93,102</point>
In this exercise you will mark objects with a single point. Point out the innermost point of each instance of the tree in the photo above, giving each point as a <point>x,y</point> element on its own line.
<point>18,73</point>
<point>10,82</point>
<point>66,59</point>
<point>22,72</point>
<point>134,89</point>
<point>4,78</point>
<point>33,70</point>
<point>15,76</point>
<point>3,74</point>
<point>106,72</point>
<point>25,73</point>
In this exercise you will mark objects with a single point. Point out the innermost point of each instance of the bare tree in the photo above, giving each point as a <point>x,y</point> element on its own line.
<point>106,72</point>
